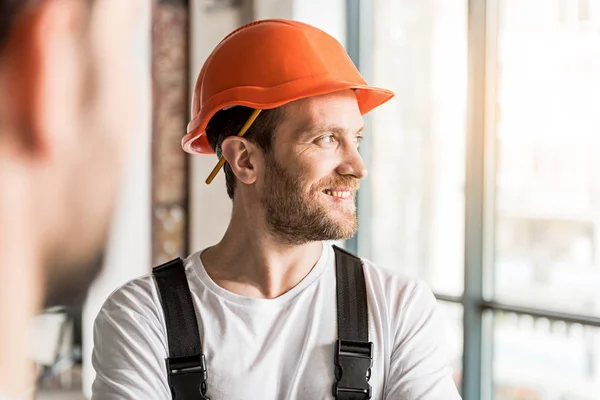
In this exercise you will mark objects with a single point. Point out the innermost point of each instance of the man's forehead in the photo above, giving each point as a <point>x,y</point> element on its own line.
<point>338,111</point>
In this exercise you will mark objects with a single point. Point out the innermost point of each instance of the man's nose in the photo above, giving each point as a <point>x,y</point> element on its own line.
<point>352,163</point>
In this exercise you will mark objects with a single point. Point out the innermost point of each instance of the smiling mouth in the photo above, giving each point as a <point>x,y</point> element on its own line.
<point>341,194</point>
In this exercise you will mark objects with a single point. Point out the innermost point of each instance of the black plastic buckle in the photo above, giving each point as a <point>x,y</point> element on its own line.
<point>187,377</point>
<point>353,363</point>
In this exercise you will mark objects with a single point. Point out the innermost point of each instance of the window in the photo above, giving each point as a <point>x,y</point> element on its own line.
<point>538,359</point>
<point>547,132</point>
<point>584,10</point>
<point>418,140</point>
<point>485,181</point>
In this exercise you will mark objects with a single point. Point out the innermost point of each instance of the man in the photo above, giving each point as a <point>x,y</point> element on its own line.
<point>265,295</point>
<point>71,81</point>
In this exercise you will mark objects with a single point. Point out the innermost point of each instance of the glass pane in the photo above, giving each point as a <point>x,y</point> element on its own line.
<point>539,360</point>
<point>452,314</point>
<point>418,142</point>
<point>548,169</point>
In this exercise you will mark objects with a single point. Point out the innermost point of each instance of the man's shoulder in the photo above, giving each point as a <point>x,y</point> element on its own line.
<point>398,298</point>
<point>139,295</point>
<point>136,298</point>
<point>388,277</point>
<point>395,287</point>
<point>375,274</point>
<point>134,290</point>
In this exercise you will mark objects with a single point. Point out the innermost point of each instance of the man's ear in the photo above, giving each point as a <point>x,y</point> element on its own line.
<point>42,74</point>
<point>243,157</point>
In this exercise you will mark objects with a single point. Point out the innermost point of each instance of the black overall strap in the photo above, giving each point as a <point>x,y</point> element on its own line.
<point>186,365</point>
<point>353,352</point>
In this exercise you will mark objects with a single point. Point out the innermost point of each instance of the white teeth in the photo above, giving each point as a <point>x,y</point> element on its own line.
<point>343,195</point>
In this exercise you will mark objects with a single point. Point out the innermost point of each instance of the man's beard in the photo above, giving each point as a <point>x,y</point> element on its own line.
<point>295,217</point>
<point>67,285</point>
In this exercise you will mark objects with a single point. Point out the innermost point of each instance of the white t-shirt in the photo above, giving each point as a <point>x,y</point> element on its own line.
<point>274,348</point>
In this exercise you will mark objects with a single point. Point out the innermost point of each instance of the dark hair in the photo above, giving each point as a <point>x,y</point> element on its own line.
<point>229,122</point>
<point>8,11</point>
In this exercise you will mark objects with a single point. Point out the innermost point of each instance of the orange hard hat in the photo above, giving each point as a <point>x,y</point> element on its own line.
<point>267,64</point>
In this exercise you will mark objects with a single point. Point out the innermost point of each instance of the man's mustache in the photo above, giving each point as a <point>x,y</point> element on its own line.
<point>347,183</point>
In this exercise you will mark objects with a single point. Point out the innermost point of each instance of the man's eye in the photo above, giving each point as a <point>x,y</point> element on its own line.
<point>329,139</point>
<point>357,140</point>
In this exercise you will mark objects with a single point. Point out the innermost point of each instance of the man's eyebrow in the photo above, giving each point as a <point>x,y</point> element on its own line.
<point>305,133</point>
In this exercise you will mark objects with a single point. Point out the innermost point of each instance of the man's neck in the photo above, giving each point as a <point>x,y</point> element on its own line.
<point>20,285</point>
<point>251,262</point>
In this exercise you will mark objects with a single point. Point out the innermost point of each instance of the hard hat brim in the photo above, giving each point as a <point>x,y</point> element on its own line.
<point>196,142</point>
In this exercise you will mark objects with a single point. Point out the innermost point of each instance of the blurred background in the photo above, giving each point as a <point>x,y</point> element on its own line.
<point>484,179</point>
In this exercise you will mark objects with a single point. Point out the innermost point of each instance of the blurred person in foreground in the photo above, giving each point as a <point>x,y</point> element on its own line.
<point>256,315</point>
<point>70,87</point>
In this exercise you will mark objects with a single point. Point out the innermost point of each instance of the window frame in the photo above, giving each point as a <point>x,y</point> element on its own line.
<point>477,300</point>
